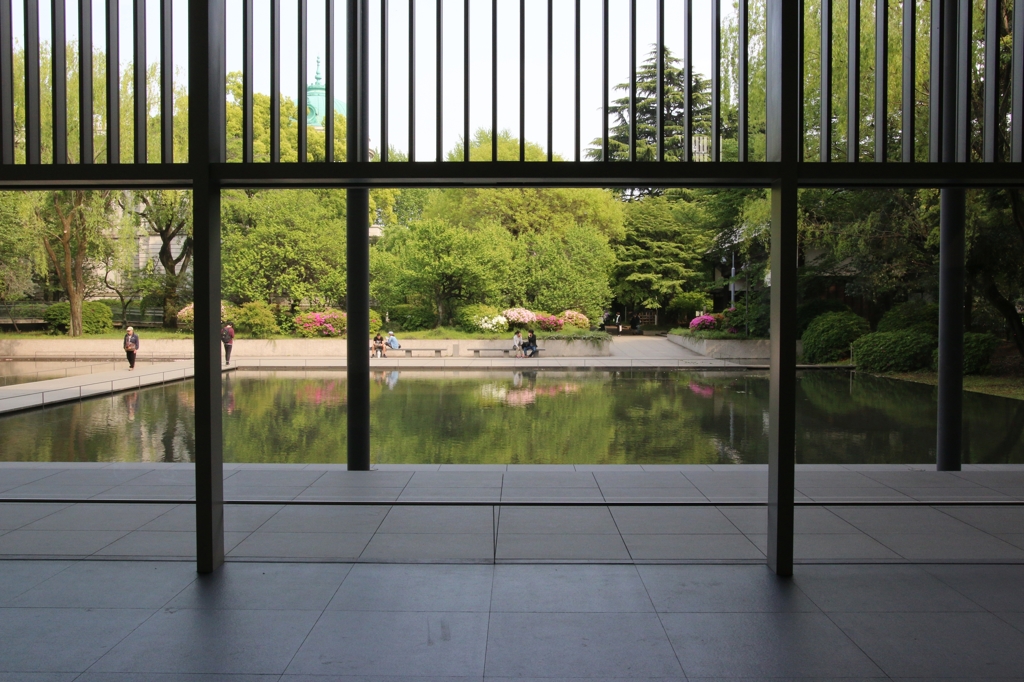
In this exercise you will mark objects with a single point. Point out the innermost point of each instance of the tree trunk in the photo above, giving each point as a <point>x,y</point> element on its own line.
<point>1009,312</point>
<point>171,302</point>
<point>76,300</point>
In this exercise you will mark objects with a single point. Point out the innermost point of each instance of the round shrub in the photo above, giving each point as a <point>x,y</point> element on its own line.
<point>96,317</point>
<point>187,316</point>
<point>704,323</point>
<point>257,319</point>
<point>469,317</point>
<point>904,351</point>
<point>911,316</point>
<point>519,318</point>
<point>828,337</point>
<point>318,324</point>
<point>978,350</point>
<point>376,323</point>
<point>407,317</point>
<point>808,311</point>
<point>576,319</point>
<point>550,323</point>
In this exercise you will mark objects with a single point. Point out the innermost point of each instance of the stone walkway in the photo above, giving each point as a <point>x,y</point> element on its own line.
<point>488,516</point>
<point>100,621</point>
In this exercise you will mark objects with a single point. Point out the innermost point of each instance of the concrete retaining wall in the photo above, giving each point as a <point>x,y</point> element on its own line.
<point>170,349</point>
<point>729,349</point>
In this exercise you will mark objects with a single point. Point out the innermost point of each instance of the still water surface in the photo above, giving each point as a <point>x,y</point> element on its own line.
<point>521,418</point>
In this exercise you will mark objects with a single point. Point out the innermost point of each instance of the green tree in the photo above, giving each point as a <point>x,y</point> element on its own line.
<point>17,251</point>
<point>660,257</point>
<point>168,215</point>
<point>567,269</point>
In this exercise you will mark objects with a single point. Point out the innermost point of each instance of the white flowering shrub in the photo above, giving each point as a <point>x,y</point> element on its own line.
<point>494,323</point>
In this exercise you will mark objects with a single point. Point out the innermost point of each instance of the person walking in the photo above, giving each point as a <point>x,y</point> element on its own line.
<point>131,347</point>
<point>227,337</point>
<point>517,343</point>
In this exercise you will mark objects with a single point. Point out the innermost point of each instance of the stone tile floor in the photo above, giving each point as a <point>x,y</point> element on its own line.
<point>113,620</point>
<point>487,534</point>
<point>509,483</point>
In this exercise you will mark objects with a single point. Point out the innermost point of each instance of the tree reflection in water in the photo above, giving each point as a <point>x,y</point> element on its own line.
<point>521,417</point>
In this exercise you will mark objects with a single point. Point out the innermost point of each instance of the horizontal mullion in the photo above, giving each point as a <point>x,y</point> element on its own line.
<point>99,175</point>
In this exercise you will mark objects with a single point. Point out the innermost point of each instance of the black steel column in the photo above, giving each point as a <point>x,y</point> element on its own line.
<point>952,217</point>
<point>784,147</point>
<point>206,146</point>
<point>358,241</point>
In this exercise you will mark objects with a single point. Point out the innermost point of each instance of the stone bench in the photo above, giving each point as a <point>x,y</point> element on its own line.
<point>506,351</point>
<point>409,351</point>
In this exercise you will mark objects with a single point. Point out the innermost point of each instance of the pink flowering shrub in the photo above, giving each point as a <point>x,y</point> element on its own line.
<point>319,324</point>
<point>519,317</point>
<point>575,319</point>
<point>704,323</point>
<point>550,323</point>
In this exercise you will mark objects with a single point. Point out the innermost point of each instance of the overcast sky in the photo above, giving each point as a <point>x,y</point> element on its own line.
<point>480,61</point>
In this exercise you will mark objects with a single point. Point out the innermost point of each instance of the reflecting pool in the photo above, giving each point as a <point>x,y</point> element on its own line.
<point>521,418</point>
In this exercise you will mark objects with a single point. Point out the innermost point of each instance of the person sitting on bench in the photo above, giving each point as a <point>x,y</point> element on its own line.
<point>530,346</point>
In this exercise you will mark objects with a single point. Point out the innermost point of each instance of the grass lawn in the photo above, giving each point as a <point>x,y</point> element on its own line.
<point>1006,386</point>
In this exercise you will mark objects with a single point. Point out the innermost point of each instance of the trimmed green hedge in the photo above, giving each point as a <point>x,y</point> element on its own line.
<point>809,311</point>
<point>96,317</point>
<point>978,350</point>
<point>903,351</point>
<point>828,337</point>
<point>912,316</point>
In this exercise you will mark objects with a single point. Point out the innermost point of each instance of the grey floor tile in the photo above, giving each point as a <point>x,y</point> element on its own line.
<point>111,585</point>
<point>667,520</point>
<point>721,589</point>
<point>17,577</point>
<point>153,544</point>
<point>641,479</point>
<point>995,588</point>
<point>551,495</point>
<point>237,517</point>
<point>264,586</point>
<point>456,479</point>
<point>956,494</point>
<point>435,519</point>
<point>898,520</point>
<point>289,477</point>
<point>990,519</point>
<point>555,547</point>
<point>976,546</point>
<point>174,477</point>
<point>128,491</point>
<point>834,479</point>
<point>569,589</point>
<point>718,547</point>
<point>920,479</point>
<point>14,515</point>
<point>101,517</point>
<point>430,547</point>
<point>338,546</point>
<point>217,642</point>
<point>833,547</point>
<point>879,494</point>
<point>87,477</point>
<point>453,495</point>
<point>1014,618</point>
<point>544,479</point>
<point>62,640</point>
<point>39,491</point>
<point>559,520</point>
<point>239,493</point>
<point>412,587</point>
<point>13,477</point>
<point>326,519</point>
<point>652,494</point>
<point>579,645</point>
<point>364,479</point>
<point>394,644</point>
<point>1016,539</point>
<point>39,677</point>
<point>867,588</point>
<point>56,542</point>
<point>933,645</point>
<point>754,520</point>
<point>763,645</point>
<point>730,494</point>
<point>368,494</point>
<point>173,677</point>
